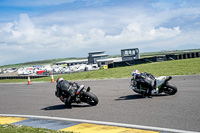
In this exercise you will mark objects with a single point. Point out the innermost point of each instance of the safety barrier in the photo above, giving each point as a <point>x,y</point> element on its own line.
<point>188,55</point>
<point>36,76</point>
<point>156,59</point>
<point>22,77</point>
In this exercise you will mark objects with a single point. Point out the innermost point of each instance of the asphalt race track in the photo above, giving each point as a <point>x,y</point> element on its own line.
<point>117,103</point>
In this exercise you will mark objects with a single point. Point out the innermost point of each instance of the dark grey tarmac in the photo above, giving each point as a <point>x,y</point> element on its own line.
<point>117,103</point>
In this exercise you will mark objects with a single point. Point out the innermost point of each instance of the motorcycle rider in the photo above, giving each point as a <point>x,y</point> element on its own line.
<point>146,80</point>
<point>64,86</point>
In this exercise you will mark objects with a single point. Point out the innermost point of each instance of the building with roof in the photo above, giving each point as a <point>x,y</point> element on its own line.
<point>100,58</point>
<point>108,61</point>
<point>94,56</point>
<point>130,54</point>
<point>72,62</point>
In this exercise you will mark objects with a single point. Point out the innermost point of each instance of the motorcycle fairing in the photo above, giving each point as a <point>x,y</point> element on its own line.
<point>160,80</point>
<point>80,88</point>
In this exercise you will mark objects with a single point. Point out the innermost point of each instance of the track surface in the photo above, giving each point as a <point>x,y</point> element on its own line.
<point>117,103</point>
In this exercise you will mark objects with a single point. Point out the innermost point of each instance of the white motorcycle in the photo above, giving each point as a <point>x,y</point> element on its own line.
<point>162,86</point>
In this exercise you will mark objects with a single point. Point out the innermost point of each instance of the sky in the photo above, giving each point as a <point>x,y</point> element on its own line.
<point>33,30</point>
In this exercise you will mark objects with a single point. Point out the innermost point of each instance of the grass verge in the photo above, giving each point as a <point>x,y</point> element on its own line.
<point>173,67</point>
<point>7,128</point>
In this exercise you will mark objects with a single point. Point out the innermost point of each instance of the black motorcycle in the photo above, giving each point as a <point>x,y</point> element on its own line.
<point>162,86</point>
<point>79,95</point>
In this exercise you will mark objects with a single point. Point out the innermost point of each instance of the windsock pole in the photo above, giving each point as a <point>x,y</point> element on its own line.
<point>52,79</point>
<point>29,80</point>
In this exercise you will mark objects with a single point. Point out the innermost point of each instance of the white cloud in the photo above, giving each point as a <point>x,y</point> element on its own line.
<point>75,33</point>
<point>60,39</point>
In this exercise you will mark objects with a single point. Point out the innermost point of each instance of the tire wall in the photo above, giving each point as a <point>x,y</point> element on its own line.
<point>156,59</point>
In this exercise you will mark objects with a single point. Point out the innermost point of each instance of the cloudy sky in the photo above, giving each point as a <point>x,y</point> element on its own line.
<point>32,30</point>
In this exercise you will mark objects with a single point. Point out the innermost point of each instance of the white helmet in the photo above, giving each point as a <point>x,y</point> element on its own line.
<point>135,73</point>
<point>59,79</point>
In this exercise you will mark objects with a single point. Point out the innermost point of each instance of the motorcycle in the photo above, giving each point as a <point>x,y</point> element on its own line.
<point>82,94</point>
<point>162,86</point>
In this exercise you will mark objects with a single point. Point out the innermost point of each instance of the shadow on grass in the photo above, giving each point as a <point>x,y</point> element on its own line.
<point>137,96</point>
<point>62,106</point>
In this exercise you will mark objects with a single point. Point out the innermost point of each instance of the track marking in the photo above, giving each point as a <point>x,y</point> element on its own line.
<point>9,120</point>
<point>93,128</point>
<point>104,123</point>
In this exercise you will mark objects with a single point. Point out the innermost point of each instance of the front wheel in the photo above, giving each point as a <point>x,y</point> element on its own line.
<point>170,89</point>
<point>90,98</point>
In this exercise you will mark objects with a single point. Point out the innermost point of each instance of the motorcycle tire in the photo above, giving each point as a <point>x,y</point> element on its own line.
<point>90,98</point>
<point>170,89</point>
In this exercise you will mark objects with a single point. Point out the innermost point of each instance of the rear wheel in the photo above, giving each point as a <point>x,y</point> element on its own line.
<point>90,98</point>
<point>170,89</point>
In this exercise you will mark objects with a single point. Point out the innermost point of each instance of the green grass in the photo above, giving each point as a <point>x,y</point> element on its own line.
<point>24,129</point>
<point>174,67</point>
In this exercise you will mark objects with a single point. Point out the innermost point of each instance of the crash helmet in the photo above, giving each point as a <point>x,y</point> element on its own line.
<point>135,73</point>
<point>59,79</point>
